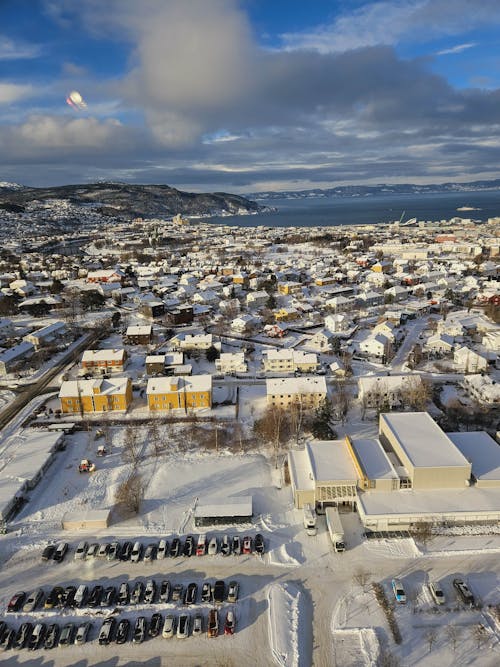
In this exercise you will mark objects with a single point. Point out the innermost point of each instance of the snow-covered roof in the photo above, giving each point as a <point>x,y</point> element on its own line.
<point>95,356</point>
<point>139,330</point>
<point>163,385</point>
<point>423,442</point>
<point>300,470</point>
<point>372,458</point>
<point>234,506</point>
<point>330,461</point>
<point>109,386</point>
<point>481,450</point>
<point>303,385</point>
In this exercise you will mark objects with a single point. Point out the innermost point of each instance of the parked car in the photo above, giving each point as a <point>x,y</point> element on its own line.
<point>247,544</point>
<point>213,623</point>
<point>60,552</point>
<point>109,596</point>
<point>54,598</point>
<point>437,592</point>
<point>201,547</point>
<point>80,595</point>
<point>464,592</point>
<point>213,546</point>
<point>206,592</point>
<point>150,592</point>
<point>107,630</point>
<point>183,626</point>
<point>22,635</point>
<point>48,552</point>
<point>198,624</point>
<point>95,596</point>
<point>218,591</point>
<point>236,545</point>
<point>16,601</point>
<point>69,596</point>
<point>114,551</point>
<point>81,551</point>
<point>33,600</point>
<point>155,625</point>
<point>229,625</point>
<point>225,547</point>
<point>177,592</point>
<point>126,551</point>
<point>259,544</point>
<point>37,636</point>
<point>137,593</point>
<point>162,550</point>
<point>82,633</point>
<point>188,546</point>
<point>139,630</point>
<point>122,631</point>
<point>136,553</point>
<point>165,591</point>
<point>7,639</point>
<point>103,550</point>
<point>66,636</point>
<point>52,636</point>
<point>191,594</point>
<point>92,551</point>
<point>168,627</point>
<point>150,553</point>
<point>175,548</point>
<point>232,591</point>
<point>399,591</point>
<point>123,594</point>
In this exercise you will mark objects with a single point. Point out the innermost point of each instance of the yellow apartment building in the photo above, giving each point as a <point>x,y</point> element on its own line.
<point>181,392</point>
<point>88,396</point>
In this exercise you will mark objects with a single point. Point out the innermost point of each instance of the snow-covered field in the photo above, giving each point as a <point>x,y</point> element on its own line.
<point>301,603</point>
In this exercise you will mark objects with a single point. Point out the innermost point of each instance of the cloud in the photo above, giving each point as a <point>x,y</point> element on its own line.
<point>12,92</point>
<point>17,50</point>
<point>392,21</point>
<point>456,49</point>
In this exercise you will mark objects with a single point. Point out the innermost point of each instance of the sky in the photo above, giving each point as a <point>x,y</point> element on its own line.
<point>250,95</point>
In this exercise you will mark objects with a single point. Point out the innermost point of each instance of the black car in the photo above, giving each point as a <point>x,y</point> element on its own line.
<point>67,634</point>
<point>463,591</point>
<point>16,601</point>
<point>123,594</point>
<point>123,631</point>
<point>177,592</point>
<point>54,598</point>
<point>175,548</point>
<point>69,596</point>
<point>126,551</point>
<point>206,592</point>
<point>22,635</point>
<point>137,593</point>
<point>60,552</point>
<point>109,596</point>
<point>219,591</point>
<point>8,638</point>
<point>139,630</point>
<point>106,632</point>
<point>165,591</point>
<point>236,545</point>
<point>52,636</point>
<point>37,636</point>
<point>95,596</point>
<point>258,544</point>
<point>114,551</point>
<point>150,592</point>
<point>191,594</point>
<point>155,625</point>
<point>150,552</point>
<point>48,552</point>
<point>189,546</point>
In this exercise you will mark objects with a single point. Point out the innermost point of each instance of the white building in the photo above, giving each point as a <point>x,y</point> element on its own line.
<point>231,362</point>
<point>308,391</point>
<point>289,361</point>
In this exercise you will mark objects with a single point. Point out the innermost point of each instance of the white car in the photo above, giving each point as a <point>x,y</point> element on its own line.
<point>162,549</point>
<point>399,591</point>
<point>437,592</point>
<point>136,554</point>
<point>168,627</point>
<point>213,546</point>
<point>81,551</point>
<point>82,633</point>
<point>198,624</point>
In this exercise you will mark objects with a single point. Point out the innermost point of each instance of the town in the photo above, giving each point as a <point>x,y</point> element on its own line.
<point>314,410</point>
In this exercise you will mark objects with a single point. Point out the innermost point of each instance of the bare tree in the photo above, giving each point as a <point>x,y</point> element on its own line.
<point>298,415</point>
<point>479,633</point>
<point>422,531</point>
<point>342,401</point>
<point>387,659</point>
<point>430,637</point>
<point>273,427</point>
<point>416,393</point>
<point>131,492</point>
<point>132,448</point>
<point>361,577</point>
<point>452,634</point>
<point>154,438</point>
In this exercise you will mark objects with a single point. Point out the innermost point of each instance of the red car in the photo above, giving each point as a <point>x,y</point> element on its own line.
<point>229,626</point>
<point>247,545</point>
<point>16,601</point>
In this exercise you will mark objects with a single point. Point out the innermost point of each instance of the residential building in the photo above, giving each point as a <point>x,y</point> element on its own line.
<point>289,361</point>
<point>139,334</point>
<point>387,390</point>
<point>11,358</point>
<point>231,362</point>
<point>469,361</point>
<point>308,391</point>
<point>46,335</point>
<point>482,388</point>
<point>173,393</point>
<point>104,360</point>
<point>100,395</point>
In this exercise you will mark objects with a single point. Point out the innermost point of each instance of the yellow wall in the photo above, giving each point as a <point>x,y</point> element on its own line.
<point>97,402</point>
<point>180,399</point>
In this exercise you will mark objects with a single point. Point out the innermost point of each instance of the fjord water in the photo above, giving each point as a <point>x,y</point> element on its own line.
<point>324,212</point>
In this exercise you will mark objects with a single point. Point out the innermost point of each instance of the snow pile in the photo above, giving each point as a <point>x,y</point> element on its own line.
<point>358,647</point>
<point>401,548</point>
<point>290,631</point>
<point>287,555</point>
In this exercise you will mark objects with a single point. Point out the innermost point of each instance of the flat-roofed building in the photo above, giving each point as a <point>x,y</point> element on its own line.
<point>309,391</point>
<point>375,470</point>
<point>484,455</point>
<point>100,395</point>
<point>429,456</point>
<point>173,393</point>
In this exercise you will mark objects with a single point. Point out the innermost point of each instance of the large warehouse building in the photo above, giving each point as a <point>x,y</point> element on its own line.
<point>413,472</point>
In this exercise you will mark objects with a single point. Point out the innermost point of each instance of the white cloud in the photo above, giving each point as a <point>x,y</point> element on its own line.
<point>12,92</point>
<point>456,49</point>
<point>10,50</point>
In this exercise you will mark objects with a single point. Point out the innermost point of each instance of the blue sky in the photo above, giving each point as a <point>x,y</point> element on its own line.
<point>247,95</point>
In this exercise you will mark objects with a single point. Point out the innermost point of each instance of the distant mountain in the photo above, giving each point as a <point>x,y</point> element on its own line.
<point>374,190</point>
<point>129,201</point>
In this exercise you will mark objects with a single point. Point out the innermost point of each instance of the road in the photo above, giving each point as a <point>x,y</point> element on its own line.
<point>414,329</point>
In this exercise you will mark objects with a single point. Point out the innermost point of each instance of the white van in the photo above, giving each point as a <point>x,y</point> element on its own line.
<point>136,553</point>
<point>81,595</point>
